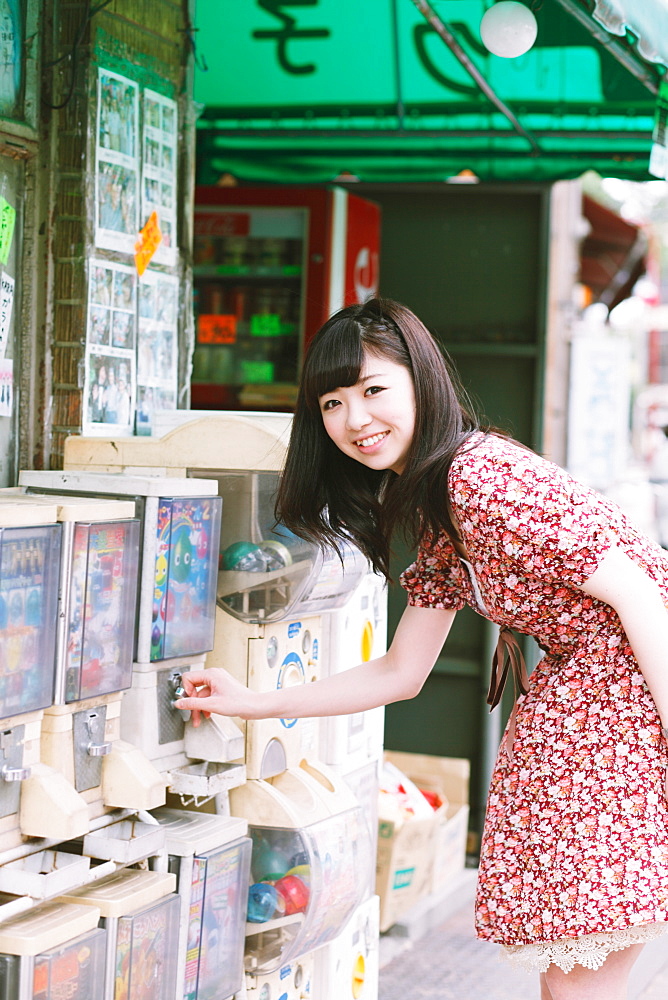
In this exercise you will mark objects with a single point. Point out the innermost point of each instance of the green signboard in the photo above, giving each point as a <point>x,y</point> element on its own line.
<point>308,90</point>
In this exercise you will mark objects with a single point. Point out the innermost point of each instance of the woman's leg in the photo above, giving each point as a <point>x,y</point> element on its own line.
<point>544,989</point>
<point>610,982</point>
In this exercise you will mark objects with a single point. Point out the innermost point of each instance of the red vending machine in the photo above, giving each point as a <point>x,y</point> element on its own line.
<point>270,265</point>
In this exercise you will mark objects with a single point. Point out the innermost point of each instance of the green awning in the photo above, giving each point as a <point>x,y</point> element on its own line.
<point>317,90</point>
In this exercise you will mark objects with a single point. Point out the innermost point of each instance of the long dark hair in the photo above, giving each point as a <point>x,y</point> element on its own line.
<point>326,496</point>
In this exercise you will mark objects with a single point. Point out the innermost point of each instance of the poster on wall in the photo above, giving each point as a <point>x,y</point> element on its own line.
<point>110,381</point>
<point>158,191</point>
<point>117,163</point>
<point>156,346</point>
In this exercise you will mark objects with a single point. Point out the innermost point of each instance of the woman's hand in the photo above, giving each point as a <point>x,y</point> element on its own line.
<point>214,690</point>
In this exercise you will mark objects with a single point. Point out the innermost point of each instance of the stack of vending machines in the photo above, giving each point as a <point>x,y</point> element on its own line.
<point>179,521</point>
<point>287,613</point>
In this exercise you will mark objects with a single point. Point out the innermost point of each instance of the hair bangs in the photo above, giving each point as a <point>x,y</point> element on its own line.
<point>334,360</point>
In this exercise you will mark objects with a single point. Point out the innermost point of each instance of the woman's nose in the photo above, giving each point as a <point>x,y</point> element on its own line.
<point>357,416</point>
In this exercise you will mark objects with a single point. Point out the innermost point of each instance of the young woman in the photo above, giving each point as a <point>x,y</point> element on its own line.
<point>574,862</point>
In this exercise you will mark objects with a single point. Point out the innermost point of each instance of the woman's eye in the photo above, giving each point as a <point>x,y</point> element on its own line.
<point>372,390</point>
<point>329,404</point>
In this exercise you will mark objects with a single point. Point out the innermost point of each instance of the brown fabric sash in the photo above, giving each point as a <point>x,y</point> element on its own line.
<point>507,658</point>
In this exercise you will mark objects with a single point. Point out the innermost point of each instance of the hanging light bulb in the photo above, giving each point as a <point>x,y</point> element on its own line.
<point>508,29</point>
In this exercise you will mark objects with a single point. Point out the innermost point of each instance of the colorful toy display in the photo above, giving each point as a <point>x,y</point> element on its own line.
<point>188,531</point>
<point>144,960</point>
<point>101,609</point>
<point>29,570</point>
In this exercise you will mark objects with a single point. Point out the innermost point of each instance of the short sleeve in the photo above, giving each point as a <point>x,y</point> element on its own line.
<point>434,580</point>
<point>526,516</point>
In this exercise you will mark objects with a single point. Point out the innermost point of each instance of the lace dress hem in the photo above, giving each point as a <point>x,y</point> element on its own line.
<point>590,951</point>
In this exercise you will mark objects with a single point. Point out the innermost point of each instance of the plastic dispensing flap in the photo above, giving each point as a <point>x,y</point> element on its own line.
<point>46,926</point>
<point>29,572</point>
<point>188,832</point>
<point>123,891</point>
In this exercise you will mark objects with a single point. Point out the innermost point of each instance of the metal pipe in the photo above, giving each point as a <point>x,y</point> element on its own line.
<point>458,52</point>
<point>621,54</point>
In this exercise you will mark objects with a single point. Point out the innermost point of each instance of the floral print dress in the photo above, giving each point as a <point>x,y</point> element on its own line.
<point>574,858</point>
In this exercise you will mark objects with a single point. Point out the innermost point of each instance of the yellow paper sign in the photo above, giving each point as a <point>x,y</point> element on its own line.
<point>150,238</point>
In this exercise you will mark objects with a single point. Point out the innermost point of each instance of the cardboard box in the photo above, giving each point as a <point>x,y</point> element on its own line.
<point>449,777</point>
<point>404,862</point>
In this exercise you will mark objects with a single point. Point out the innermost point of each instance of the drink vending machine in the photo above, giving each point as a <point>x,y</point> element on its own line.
<point>270,265</point>
<point>180,527</point>
<point>95,636</point>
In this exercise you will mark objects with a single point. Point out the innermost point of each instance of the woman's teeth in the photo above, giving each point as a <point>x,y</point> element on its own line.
<point>367,442</point>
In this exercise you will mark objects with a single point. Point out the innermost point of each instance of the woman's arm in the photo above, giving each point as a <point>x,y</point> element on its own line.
<point>637,600</point>
<point>396,676</point>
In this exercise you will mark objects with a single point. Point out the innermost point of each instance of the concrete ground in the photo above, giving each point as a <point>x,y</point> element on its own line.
<point>433,954</point>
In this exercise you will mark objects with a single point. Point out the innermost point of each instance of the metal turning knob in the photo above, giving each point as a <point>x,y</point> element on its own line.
<point>180,692</point>
<point>8,773</point>
<point>98,749</point>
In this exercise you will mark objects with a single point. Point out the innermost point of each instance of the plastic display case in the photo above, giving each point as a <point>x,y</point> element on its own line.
<point>98,634</point>
<point>210,856</point>
<point>266,573</point>
<point>97,595</point>
<point>140,914</point>
<point>310,857</point>
<point>29,571</point>
<point>180,521</point>
<point>51,951</point>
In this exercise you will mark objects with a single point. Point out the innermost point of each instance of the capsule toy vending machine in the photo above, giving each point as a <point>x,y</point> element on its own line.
<point>35,799</point>
<point>180,526</point>
<point>139,912</point>
<point>311,853</point>
<point>81,730</point>
<point>274,590</point>
<point>271,264</point>
<point>210,856</point>
<point>53,950</point>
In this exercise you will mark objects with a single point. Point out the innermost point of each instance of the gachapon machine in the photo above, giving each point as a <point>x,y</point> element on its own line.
<point>140,913</point>
<point>35,799</point>
<point>274,590</point>
<point>310,857</point>
<point>347,968</point>
<point>51,951</point>
<point>81,730</point>
<point>355,633</point>
<point>180,528</point>
<point>210,856</point>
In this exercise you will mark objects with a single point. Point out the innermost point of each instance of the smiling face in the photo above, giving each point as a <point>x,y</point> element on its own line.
<point>373,420</point>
